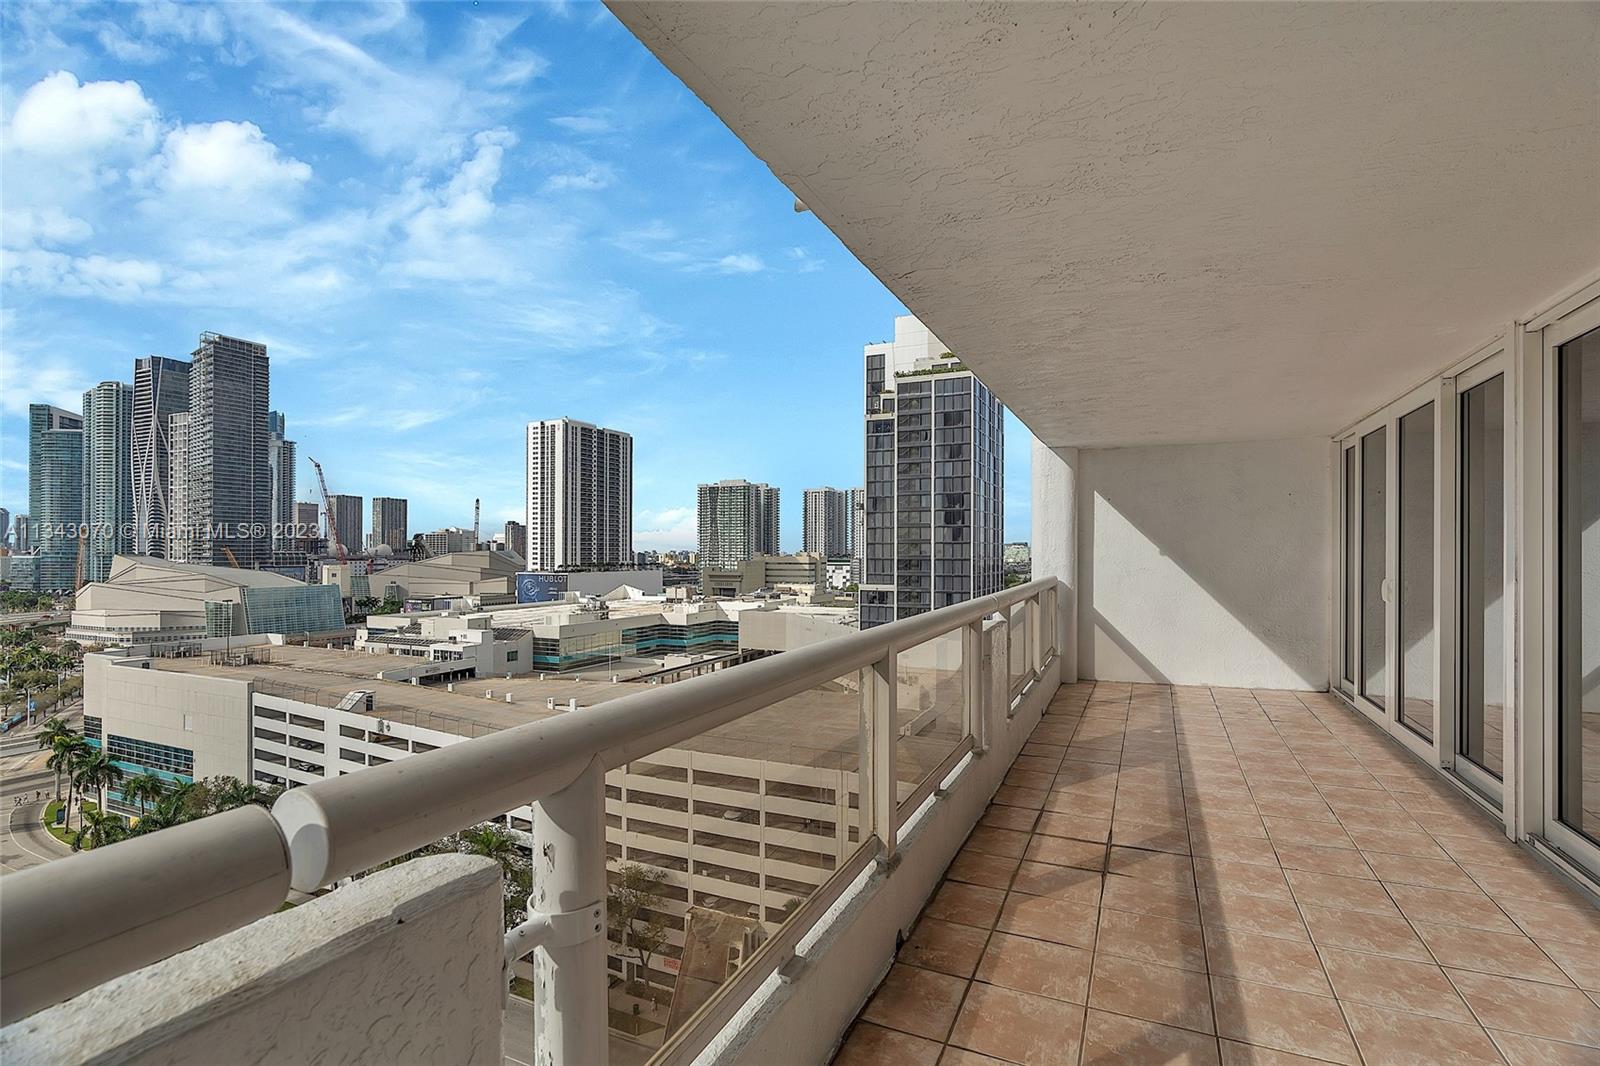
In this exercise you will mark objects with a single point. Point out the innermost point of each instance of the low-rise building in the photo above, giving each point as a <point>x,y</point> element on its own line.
<point>797,573</point>
<point>457,574</point>
<point>543,586</point>
<point>151,601</point>
<point>745,820</point>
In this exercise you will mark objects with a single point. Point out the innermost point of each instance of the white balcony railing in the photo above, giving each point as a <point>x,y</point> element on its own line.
<point>920,696</point>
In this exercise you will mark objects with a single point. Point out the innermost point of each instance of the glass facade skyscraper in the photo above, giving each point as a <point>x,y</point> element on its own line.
<point>107,475</point>
<point>935,484</point>
<point>55,494</point>
<point>160,390</point>
<point>229,491</point>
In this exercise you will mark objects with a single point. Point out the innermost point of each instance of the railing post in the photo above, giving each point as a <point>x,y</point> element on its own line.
<point>1035,617</point>
<point>972,663</point>
<point>878,794</point>
<point>569,887</point>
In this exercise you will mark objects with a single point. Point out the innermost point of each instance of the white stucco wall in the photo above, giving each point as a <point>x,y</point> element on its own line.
<point>1194,564</point>
<point>399,967</point>
<point>208,716</point>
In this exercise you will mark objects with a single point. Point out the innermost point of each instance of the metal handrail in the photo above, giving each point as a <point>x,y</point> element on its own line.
<point>331,829</point>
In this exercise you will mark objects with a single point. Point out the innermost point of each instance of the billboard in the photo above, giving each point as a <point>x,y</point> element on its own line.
<point>540,587</point>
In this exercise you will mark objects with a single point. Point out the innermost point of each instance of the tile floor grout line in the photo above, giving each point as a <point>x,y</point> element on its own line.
<point>1405,918</point>
<point>1294,897</point>
<point>1312,735</point>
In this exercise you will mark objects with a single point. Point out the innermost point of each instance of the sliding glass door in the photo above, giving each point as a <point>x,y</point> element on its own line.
<point>1577,587</point>
<point>1374,567</point>
<point>1418,651</point>
<point>1483,613</point>
<point>1388,621</point>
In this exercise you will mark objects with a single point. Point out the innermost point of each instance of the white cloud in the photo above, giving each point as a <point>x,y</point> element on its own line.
<point>743,263</point>
<point>592,123</point>
<point>119,280</point>
<point>672,527</point>
<point>189,23</point>
<point>804,262</point>
<point>57,116</point>
<point>39,379</point>
<point>231,161</point>
<point>590,179</point>
<point>120,45</point>
<point>26,227</point>
<point>422,108</point>
<point>443,226</point>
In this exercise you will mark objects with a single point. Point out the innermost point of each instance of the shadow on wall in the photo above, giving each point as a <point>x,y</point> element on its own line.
<point>1206,564</point>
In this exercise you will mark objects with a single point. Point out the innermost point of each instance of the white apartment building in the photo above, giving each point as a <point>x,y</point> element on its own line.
<point>580,495</point>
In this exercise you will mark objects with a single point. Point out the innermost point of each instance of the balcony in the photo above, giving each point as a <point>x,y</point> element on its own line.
<point>1218,875</point>
<point>1290,749</point>
<point>897,738</point>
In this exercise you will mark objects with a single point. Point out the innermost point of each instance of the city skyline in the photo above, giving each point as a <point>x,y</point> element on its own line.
<point>524,250</point>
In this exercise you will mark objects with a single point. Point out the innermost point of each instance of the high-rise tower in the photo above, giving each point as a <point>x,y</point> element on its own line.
<point>55,494</point>
<point>107,476</point>
<point>825,522</point>
<point>580,495</point>
<point>738,520</point>
<point>230,481</point>
<point>935,479</point>
<point>160,390</point>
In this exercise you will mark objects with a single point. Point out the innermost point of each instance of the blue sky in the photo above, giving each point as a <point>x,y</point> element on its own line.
<point>444,221</point>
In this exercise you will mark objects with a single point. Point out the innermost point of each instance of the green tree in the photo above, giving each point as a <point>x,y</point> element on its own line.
<point>96,771</point>
<point>491,842</point>
<point>634,912</point>
<point>144,789</point>
<point>99,828</point>
<point>66,751</point>
<point>173,808</point>
<point>55,729</point>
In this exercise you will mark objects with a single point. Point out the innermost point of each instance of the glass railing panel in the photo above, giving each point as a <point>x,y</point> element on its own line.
<point>720,851</point>
<point>930,704</point>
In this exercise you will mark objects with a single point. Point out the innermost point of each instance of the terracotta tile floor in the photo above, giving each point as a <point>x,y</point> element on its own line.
<point>1192,875</point>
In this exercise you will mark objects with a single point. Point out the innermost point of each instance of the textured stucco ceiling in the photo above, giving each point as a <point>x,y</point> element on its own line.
<point>1189,222</point>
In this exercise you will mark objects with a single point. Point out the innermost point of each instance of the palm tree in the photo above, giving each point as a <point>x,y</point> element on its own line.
<point>96,771</point>
<point>66,753</point>
<point>491,842</point>
<point>100,827</point>
<point>55,729</point>
<point>172,808</point>
<point>143,789</point>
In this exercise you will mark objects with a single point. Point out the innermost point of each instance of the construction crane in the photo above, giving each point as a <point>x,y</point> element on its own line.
<point>327,507</point>
<point>233,560</point>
